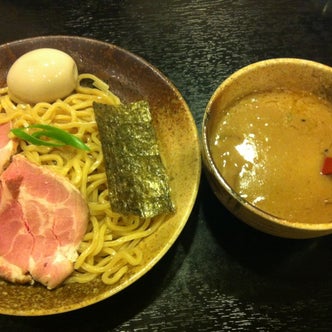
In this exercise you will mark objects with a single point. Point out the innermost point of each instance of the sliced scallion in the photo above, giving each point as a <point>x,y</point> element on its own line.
<point>55,136</point>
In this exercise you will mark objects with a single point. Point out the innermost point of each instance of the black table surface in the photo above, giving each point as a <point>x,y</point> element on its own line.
<point>220,275</point>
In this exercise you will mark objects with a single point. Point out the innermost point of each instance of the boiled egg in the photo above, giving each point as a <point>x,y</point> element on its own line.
<point>42,75</point>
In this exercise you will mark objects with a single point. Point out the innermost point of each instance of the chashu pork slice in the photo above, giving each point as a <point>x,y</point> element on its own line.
<point>43,219</point>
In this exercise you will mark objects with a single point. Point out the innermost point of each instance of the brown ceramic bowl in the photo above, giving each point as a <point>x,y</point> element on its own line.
<point>292,74</point>
<point>131,78</point>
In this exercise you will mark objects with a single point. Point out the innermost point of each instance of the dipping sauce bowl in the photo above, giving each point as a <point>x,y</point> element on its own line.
<point>267,131</point>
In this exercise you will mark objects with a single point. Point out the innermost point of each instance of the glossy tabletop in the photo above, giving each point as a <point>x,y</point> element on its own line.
<point>220,275</point>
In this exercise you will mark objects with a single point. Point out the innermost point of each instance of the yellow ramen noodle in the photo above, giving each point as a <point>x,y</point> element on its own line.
<point>109,247</point>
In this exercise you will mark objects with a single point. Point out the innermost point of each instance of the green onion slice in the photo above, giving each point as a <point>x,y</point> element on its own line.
<point>56,136</point>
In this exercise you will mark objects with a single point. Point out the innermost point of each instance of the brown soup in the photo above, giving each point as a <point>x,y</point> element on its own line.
<point>270,147</point>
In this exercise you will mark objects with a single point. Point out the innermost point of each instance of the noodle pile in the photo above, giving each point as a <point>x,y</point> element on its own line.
<point>109,247</point>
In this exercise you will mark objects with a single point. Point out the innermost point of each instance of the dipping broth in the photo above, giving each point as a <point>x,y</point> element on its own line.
<point>270,148</point>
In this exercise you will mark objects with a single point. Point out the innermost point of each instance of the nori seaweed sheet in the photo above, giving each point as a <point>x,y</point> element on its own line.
<point>137,179</point>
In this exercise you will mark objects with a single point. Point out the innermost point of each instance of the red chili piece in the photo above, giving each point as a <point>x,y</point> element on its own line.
<point>327,166</point>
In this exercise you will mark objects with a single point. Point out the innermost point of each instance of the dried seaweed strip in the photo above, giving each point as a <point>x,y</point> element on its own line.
<point>137,179</point>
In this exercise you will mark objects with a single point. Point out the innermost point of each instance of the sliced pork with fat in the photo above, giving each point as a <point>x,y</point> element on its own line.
<point>43,219</point>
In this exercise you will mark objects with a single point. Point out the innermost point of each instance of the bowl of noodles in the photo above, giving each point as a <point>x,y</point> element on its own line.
<point>116,250</point>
